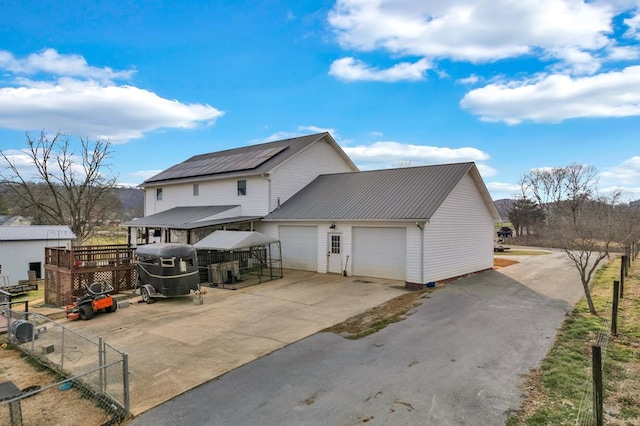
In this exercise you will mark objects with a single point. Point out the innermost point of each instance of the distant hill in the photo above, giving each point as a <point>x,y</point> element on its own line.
<point>132,200</point>
<point>503,205</point>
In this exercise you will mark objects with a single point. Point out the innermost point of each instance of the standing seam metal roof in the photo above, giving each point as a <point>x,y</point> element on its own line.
<point>36,232</point>
<point>392,194</point>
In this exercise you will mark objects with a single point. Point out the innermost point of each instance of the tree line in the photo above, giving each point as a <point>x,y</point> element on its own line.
<point>563,207</point>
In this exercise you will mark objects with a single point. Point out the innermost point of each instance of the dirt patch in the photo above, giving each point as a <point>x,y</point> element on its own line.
<point>501,263</point>
<point>394,310</point>
<point>51,406</point>
<point>375,319</point>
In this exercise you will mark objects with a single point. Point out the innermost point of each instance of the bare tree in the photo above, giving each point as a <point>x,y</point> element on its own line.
<point>578,220</point>
<point>66,188</point>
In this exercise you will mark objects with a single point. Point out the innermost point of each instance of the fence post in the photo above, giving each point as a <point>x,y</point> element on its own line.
<point>614,309</point>
<point>101,363</point>
<point>125,382</point>
<point>62,350</point>
<point>623,267</point>
<point>596,365</point>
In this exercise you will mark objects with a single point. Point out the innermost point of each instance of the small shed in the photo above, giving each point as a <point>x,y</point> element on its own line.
<point>22,249</point>
<point>238,257</point>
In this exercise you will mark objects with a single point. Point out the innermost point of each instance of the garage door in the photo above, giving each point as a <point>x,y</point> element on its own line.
<point>299,247</point>
<point>380,252</point>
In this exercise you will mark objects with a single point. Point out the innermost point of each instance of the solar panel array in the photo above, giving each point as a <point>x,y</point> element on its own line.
<point>220,164</point>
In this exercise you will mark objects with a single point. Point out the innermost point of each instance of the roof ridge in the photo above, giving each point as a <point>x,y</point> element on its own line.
<point>253,146</point>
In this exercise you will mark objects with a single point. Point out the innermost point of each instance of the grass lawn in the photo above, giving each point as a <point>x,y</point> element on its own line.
<point>560,390</point>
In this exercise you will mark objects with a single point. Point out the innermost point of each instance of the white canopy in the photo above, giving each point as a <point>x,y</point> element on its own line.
<point>233,240</point>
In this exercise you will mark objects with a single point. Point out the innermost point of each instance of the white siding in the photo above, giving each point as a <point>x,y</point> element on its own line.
<point>212,193</point>
<point>414,241</point>
<point>15,257</point>
<point>459,237</point>
<point>298,171</point>
<point>345,229</point>
<point>299,247</point>
<point>380,252</point>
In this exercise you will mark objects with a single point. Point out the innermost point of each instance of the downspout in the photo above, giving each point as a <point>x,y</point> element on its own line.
<point>421,227</point>
<point>268,179</point>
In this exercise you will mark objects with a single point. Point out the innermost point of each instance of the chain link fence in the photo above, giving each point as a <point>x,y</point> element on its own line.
<point>91,378</point>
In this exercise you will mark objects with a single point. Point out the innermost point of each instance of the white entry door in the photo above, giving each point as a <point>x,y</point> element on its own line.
<point>335,253</point>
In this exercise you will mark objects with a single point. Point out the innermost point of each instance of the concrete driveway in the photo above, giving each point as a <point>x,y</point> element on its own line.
<point>174,345</point>
<point>457,360</point>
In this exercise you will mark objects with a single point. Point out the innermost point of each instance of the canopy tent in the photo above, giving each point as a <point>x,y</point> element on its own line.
<point>239,258</point>
<point>234,240</point>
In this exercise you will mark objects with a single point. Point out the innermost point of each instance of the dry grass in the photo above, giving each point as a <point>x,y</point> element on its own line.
<point>555,390</point>
<point>50,407</point>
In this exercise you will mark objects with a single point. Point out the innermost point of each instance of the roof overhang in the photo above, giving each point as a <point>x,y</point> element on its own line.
<point>190,218</point>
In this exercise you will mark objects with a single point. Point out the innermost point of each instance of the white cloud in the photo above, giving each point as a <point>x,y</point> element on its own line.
<point>388,154</point>
<point>145,174</point>
<point>62,92</point>
<point>500,190</point>
<point>21,161</point>
<point>554,98</point>
<point>350,69</point>
<point>49,61</point>
<point>472,79</point>
<point>626,173</point>
<point>376,134</point>
<point>89,108</point>
<point>299,131</point>
<point>474,31</point>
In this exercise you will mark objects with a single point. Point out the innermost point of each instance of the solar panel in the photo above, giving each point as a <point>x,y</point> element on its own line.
<point>200,166</point>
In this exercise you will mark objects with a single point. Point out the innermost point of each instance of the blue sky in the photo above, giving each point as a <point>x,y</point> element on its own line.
<point>510,85</point>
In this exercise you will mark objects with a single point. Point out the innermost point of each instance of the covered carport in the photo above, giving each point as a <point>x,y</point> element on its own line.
<point>237,258</point>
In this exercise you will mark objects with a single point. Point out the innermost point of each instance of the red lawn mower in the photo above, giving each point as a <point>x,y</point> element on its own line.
<point>97,298</point>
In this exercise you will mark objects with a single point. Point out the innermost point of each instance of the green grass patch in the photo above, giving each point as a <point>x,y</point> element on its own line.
<point>558,387</point>
<point>30,295</point>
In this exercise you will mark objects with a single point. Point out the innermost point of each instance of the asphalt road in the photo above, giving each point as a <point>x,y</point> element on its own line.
<point>458,359</point>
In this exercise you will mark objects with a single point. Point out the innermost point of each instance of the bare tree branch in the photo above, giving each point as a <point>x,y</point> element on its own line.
<point>68,188</point>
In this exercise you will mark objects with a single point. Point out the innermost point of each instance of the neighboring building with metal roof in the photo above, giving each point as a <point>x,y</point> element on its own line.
<point>22,249</point>
<point>417,224</point>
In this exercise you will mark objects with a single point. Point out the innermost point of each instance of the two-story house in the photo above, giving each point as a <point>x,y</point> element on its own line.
<point>232,189</point>
<point>417,224</point>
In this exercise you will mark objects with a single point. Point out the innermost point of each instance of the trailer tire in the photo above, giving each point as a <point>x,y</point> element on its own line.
<point>112,308</point>
<point>85,311</point>
<point>146,297</point>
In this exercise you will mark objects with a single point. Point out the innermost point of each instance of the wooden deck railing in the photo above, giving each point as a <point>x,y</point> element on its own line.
<point>89,257</point>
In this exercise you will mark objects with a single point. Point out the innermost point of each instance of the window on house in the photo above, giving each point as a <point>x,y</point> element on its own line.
<point>196,189</point>
<point>335,244</point>
<point>159,194</point>
<point>242,187</point>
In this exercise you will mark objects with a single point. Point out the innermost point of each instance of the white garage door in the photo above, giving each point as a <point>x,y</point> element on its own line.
<point>299,247</point>
<point>380,252</point>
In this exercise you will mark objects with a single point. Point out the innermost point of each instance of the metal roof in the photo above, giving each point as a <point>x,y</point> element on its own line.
<point>36,232</point>
<point>188,218</point>
<point>254,159</point>
<point>234,240</point>
<point>413,193</point>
